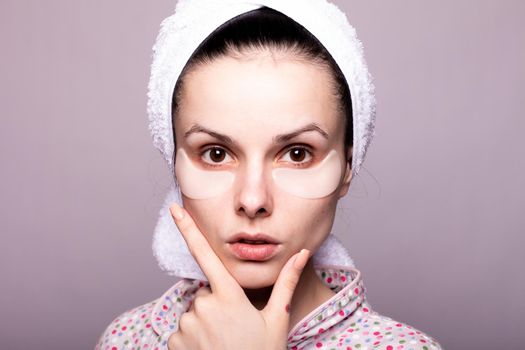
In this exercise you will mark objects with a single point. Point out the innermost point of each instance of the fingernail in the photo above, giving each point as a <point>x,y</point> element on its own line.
<point>176,211</point>
<point>301,259</point>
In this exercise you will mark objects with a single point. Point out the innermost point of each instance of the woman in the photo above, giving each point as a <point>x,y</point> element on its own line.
<point>266,133</point>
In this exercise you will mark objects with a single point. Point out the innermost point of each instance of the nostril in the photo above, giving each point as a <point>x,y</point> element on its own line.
<point>260,211</point>
<point>255,211</point>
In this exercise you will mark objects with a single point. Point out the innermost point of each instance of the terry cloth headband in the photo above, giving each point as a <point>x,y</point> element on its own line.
<point>180,35</point>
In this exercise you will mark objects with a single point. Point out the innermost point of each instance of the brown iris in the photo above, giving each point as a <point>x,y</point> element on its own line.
<point>297,154</point>
<point>217,155</point>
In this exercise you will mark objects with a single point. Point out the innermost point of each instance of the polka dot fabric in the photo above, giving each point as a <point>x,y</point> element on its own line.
<point>345,321</point>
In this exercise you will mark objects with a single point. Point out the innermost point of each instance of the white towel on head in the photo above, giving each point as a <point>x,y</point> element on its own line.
<point>181,33</point>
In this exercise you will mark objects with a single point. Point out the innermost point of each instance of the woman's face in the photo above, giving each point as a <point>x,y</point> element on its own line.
<point>259,183</point>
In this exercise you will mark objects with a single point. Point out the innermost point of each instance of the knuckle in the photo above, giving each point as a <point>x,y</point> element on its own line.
<point>175,341</point>
<point>186,320</point>
<point>199,304</point>
<point>182,321</point>
<point>203,291</point>
<point>290,283</point>
<point>186,226</point>
<point>204,305</point>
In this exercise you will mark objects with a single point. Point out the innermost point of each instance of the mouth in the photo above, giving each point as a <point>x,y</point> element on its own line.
<point>254,247</point>
<point>257,238</point>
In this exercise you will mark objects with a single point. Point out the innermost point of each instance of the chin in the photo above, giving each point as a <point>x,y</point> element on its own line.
<point>254,275</point>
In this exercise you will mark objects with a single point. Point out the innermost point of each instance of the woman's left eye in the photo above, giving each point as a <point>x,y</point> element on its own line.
<point>297,154</point>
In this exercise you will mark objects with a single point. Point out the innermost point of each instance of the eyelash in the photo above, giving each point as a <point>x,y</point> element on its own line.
<point>293,147</point>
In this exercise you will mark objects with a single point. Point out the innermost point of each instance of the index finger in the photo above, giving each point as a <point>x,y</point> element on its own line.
<point>221,281</point>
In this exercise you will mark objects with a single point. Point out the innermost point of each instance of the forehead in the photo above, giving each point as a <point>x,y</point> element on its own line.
<point>258,94</point>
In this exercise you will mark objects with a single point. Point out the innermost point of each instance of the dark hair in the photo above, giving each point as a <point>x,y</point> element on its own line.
<point>268,28</point>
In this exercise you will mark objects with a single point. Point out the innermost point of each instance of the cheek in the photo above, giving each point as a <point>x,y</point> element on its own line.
<point>209,216</point>
<point>307,221</point>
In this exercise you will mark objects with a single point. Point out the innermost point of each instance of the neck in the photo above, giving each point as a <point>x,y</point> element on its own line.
<point>309,294</point>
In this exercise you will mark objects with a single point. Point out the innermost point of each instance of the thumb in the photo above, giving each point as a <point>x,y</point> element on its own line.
<point>278,307</point>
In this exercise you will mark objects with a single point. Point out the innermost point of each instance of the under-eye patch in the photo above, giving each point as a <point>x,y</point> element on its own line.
<point>314,182</point>
<point>200,183</point>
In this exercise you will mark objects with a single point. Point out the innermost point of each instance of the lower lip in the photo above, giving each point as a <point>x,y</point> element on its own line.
<point>257,252</point>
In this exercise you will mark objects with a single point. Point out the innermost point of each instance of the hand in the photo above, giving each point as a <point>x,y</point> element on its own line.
<point>223,317</point>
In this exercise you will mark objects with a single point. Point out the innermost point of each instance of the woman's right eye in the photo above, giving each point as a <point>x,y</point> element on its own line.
<point>213,156</point>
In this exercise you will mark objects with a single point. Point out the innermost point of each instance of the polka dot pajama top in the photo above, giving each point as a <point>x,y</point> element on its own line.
<point>345,321</point>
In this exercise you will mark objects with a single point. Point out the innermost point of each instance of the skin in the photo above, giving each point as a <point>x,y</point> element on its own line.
<point>251,99</point>
<point>313,182</point>
<point>226,310</point>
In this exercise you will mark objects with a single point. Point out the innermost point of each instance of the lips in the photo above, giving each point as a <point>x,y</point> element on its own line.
<point>254,247</point>
<point>258,238</point>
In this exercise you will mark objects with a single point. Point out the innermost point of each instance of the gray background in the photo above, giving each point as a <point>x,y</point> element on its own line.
<point>433,221</point>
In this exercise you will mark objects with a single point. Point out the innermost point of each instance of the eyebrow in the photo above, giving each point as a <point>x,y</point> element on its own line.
<point>278,139</point>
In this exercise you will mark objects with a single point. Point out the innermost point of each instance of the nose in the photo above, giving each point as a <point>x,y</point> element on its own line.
<point>253,188</point>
